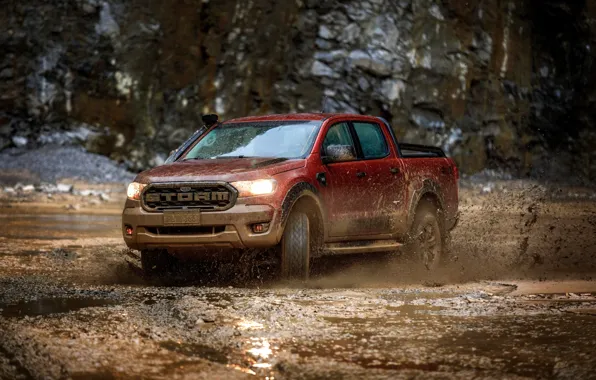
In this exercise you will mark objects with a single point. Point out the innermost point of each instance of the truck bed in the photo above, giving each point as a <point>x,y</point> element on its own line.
<point>420,151</point>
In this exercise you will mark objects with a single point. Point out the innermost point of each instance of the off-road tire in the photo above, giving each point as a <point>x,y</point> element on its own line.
<point>295,248</point>
<point>427,239</point>
<point>157,262</point>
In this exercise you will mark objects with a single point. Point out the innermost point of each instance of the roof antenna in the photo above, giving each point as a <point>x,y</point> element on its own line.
<point>324,103</point>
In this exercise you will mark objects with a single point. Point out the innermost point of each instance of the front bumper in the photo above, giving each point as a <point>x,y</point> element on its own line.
<point>231,229</point>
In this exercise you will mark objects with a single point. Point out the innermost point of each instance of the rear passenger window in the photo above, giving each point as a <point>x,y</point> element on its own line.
<point>372,140</point>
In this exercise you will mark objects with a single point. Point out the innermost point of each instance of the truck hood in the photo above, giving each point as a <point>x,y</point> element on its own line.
<point>233,169</point>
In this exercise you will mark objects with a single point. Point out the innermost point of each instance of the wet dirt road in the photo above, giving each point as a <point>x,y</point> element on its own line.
<point>518,301</point>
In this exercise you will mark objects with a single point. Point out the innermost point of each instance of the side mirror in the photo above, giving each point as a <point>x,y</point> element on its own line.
<point>210,119</point>
<point>339,153</point>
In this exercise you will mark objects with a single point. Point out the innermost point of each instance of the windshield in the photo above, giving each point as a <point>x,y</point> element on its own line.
<point>280,139</point>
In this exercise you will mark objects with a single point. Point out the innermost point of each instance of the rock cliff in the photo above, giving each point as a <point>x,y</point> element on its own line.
<point>499,84</point>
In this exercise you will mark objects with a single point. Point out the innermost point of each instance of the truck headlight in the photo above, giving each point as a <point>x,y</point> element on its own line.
<point>134,190</point>
<point>258,187</point>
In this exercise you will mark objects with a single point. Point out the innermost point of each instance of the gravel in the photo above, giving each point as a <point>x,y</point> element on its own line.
<point>52,163</point>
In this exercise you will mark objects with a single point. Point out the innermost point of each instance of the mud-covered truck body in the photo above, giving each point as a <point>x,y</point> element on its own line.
<point>298,185</point>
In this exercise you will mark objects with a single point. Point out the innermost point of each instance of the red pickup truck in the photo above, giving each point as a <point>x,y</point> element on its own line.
<point>298,185</point>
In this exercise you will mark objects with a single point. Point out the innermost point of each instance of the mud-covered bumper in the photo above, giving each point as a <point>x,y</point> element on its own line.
<point>227,229</point>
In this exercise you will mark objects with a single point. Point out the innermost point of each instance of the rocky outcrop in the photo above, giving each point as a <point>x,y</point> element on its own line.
<point>497,83</point>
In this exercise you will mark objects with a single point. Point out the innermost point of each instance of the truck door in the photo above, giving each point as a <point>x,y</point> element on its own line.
<point>347,185</point>
<point>386,203</point>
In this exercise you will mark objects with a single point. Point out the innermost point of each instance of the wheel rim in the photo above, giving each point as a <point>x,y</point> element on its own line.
<point>429,244</point>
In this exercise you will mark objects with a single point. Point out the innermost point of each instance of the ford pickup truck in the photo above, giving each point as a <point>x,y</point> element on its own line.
<point>298,185</point>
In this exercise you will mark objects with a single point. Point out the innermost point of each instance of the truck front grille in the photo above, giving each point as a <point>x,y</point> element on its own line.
<point>204,196</point>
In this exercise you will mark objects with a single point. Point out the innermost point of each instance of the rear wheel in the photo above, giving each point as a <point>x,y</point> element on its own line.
<point>295,247</point>
<point>427,239</point>
<point>157,262</point>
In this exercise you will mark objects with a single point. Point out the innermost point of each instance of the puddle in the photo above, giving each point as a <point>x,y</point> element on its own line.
<point>33,236</point>
<point>420,311</point>
<point>527,347</point>
<point>416,310</point>
<point>560,298</point>
<point>194,350</point>
<point>23,253</point>
<point>58,226</point>
<point>413,296</point>
<point>153,299</point>
<point>354,321</point>
<point>581,311</point>
<point>46,306</point>
<point>388,365</point>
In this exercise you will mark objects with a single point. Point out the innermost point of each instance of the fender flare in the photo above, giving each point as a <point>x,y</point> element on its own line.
<point>429,187</point>
<point>298,191</point>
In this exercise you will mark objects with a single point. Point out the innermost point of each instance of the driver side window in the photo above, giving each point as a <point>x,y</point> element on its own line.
<point>338,134</point>
<point>338,145</point>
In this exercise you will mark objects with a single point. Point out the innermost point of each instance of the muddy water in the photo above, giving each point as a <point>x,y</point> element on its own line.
<point>57,226</point>
<point>48,306</point>
<point>72,306</point>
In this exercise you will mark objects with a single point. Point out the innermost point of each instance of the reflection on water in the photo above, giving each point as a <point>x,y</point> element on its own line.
<point>261,349</point>
<point>58,226</point>
<point>246,324</point>
<point>261,355</point>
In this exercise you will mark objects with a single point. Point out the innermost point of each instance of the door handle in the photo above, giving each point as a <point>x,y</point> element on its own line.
<point>361,174</point>
<point>394,170</point>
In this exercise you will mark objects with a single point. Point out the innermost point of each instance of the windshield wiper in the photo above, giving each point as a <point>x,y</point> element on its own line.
<point>231,157</point>
<point>213,158</point>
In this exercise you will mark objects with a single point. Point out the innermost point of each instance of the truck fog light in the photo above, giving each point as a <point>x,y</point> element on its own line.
<point>260,228</point>
<point>128,230</point>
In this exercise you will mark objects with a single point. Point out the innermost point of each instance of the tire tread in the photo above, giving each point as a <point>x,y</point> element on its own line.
<point>296,247</point>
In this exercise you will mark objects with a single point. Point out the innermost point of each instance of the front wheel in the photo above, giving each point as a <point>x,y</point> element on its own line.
<point>295,247</point>
<point>427,239</point>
